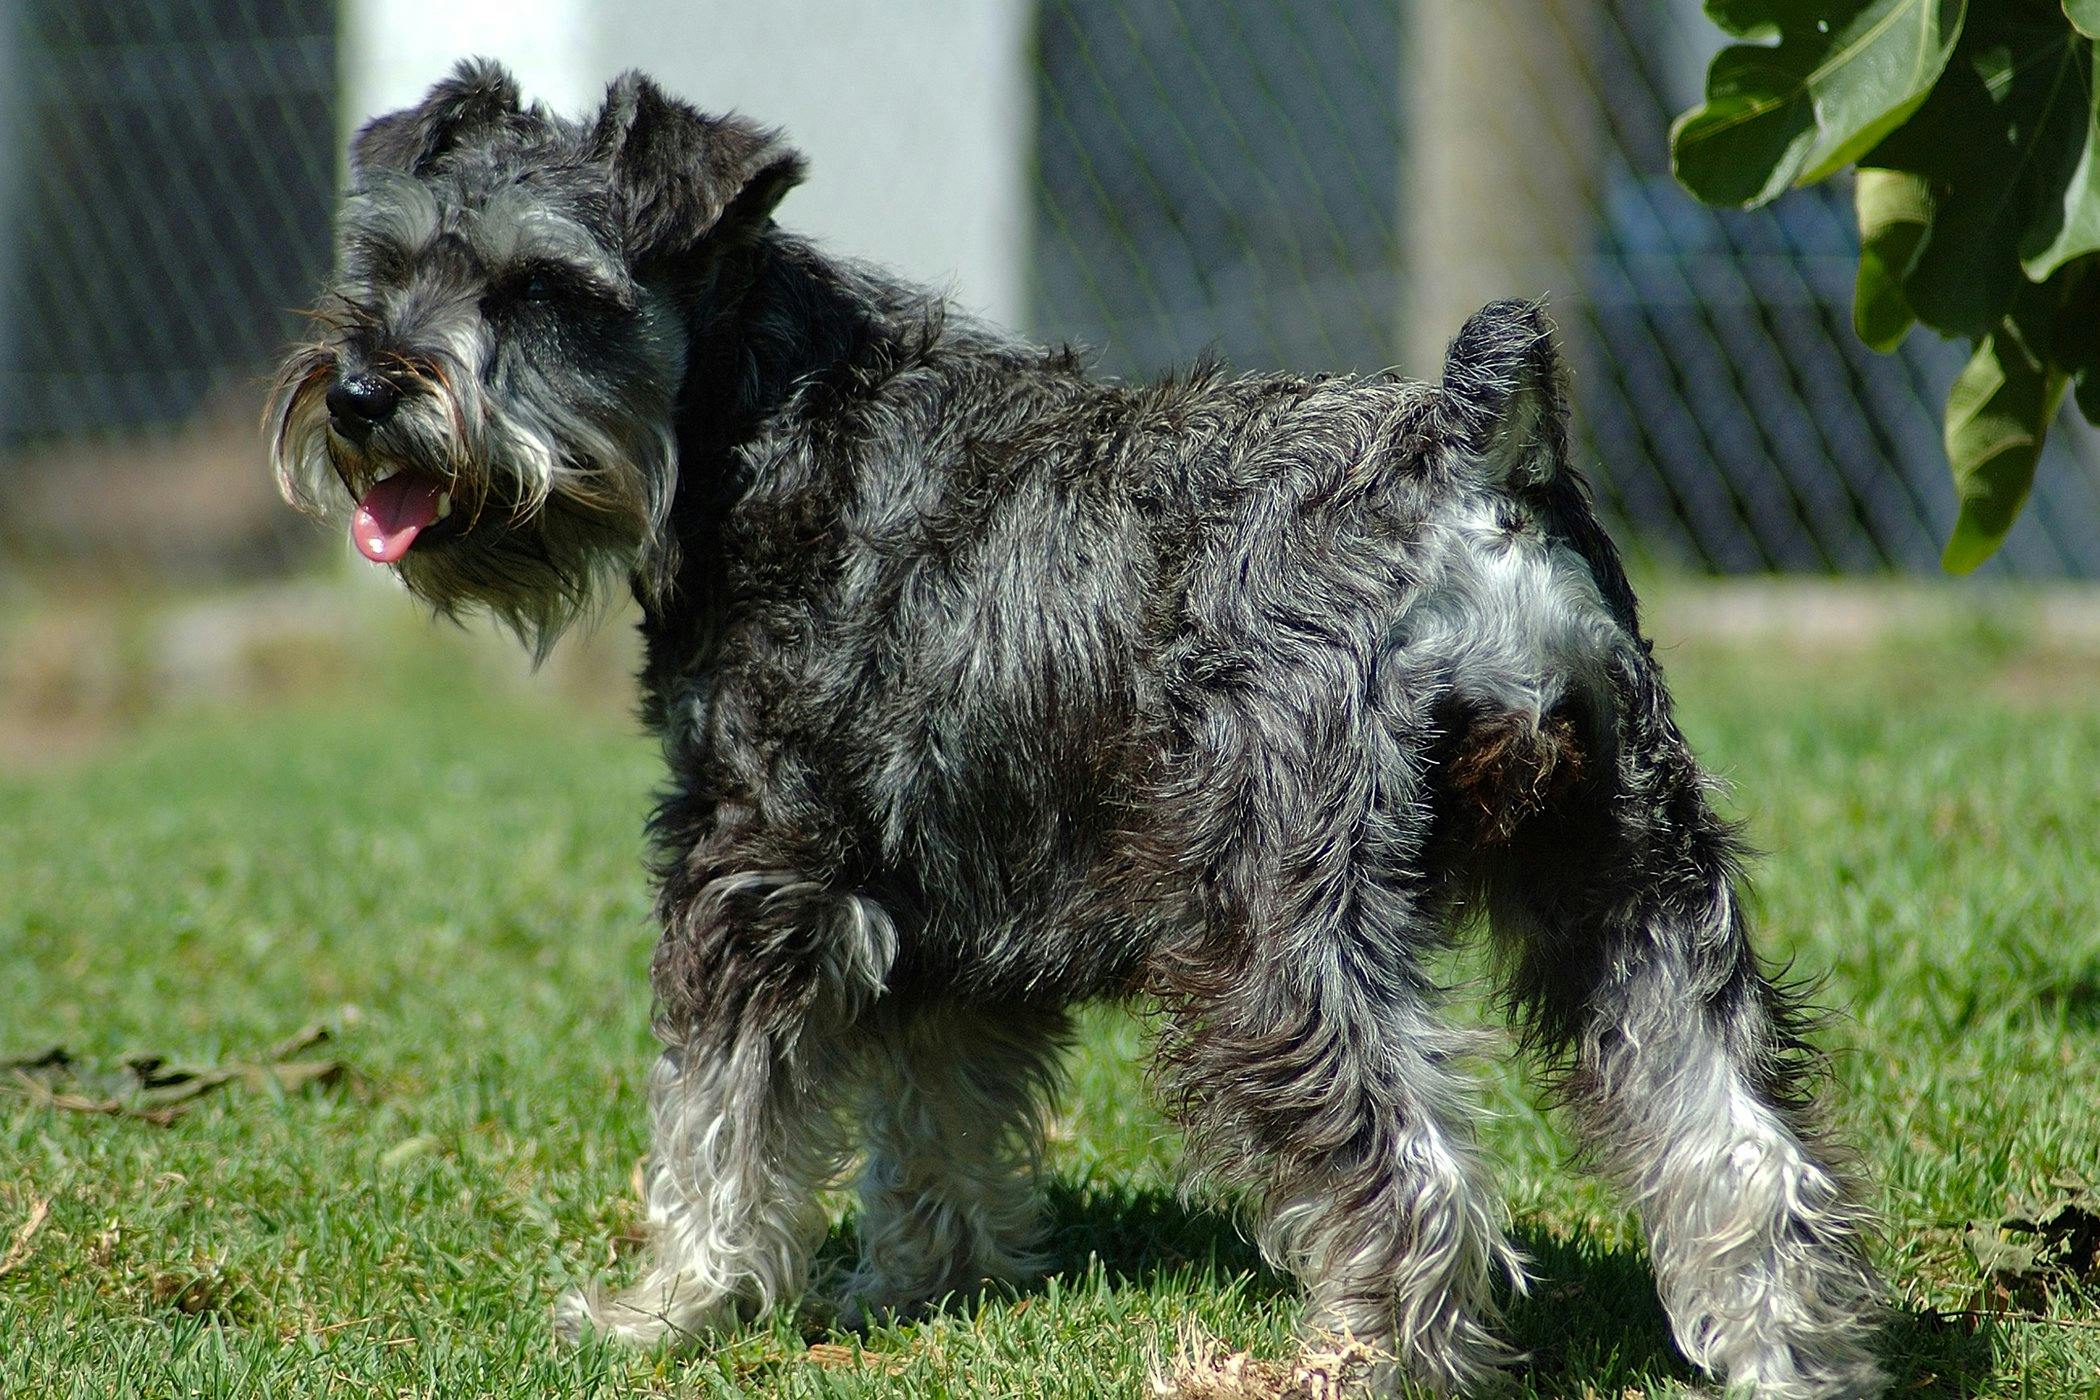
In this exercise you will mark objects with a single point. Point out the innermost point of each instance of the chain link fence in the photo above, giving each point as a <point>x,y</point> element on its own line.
<point>1248,177</point>
<point>166,179</point>
<point>1303,186</point>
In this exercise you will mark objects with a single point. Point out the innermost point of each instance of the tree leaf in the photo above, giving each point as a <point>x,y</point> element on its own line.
<point>2089,394</point>
<point>1895,213</point>
<point>2067,223</point>
<point>1978,130</point>
<point>1839,79</point>
<point>1999,135</point>
<point>2076,349</point>
<point>1997,413</point>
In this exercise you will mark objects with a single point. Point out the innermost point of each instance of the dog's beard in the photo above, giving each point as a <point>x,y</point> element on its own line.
<point>541,511</point>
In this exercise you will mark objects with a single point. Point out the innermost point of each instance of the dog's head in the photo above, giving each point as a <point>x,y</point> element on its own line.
<point>490,403</point>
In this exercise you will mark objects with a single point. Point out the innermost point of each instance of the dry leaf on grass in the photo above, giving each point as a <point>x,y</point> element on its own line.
<point>18,1249</point>
<point>2040,1251</point>
<point>833,1357</point>
<point>147,1087</point>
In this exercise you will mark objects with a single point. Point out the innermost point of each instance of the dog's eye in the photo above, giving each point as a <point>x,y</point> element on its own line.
<point>552,283</point>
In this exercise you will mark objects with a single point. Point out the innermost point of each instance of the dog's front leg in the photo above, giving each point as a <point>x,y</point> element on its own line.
<point>762,980</point>
<point>738,1154</point>
<point>953,1117</point>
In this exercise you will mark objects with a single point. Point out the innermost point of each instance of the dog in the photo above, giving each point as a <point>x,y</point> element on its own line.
<point>988,688</point>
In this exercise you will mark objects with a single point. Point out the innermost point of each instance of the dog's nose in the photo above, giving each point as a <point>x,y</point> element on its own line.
<point>361,402</point>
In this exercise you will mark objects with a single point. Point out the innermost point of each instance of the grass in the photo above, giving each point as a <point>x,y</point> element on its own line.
<point>445,873</point>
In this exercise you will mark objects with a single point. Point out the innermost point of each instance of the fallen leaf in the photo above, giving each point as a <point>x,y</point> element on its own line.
<point>1995,1254</point>
<point>2056,1243</point>
<point>148,1087</point>
<point>832,1357</point>
<point>18,1250</point>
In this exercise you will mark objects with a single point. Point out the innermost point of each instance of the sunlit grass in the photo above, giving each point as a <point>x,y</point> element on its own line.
<point>449,877</point>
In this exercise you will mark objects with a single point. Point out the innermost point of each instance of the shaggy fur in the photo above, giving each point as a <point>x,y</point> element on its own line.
<point>987,688</point>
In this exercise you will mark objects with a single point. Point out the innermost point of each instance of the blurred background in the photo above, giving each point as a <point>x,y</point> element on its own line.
<point>1310,187</point>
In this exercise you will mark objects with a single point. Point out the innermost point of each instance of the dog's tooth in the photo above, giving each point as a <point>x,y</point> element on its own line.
<point>444,504</point>
<point>389,474</point>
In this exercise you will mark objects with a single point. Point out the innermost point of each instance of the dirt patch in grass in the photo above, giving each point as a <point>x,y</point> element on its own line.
<point>1204,1368</point>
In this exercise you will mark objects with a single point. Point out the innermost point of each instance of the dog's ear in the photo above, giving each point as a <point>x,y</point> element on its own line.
<point>480,93</point>
<point>682,179</point>
<point>1502,402</point>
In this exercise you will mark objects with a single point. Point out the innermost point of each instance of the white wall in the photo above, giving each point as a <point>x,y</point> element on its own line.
<point>393,50</point>
<point>916,115</point>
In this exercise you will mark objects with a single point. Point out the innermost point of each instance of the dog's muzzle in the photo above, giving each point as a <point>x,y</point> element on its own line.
<point>403,502</point>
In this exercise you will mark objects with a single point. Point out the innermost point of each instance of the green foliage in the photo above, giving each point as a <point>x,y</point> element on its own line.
<point>1997,410</point>
<point>1895,212</point>
<point>1975,127</point>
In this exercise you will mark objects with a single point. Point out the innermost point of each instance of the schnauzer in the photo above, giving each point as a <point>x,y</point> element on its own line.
<point>988,687</point>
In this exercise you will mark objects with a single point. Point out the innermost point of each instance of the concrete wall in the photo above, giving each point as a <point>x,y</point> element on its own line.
<point>916,115</point>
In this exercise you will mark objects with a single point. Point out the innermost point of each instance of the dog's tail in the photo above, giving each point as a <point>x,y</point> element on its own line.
<point>1537,601</point>
<point>1502,413</point>
<point>1503,401</point>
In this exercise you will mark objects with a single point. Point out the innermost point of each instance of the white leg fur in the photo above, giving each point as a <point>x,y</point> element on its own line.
<point>1412,1263</point>
<point>735,1168</point>
<point>1754,1244</point>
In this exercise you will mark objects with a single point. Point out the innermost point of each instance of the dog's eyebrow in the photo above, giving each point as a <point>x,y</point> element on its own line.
<point>388,220</point>
<point>515,231</point>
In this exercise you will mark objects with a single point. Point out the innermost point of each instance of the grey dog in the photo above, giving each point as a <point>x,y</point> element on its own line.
<point>988,687</point>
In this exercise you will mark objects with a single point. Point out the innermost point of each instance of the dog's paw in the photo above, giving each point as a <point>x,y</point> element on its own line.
<point>656,1311</point>
<point>642,1316</point>
<point>572,1317</point>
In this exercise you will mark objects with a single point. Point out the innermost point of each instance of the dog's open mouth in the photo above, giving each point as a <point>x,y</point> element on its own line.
<point>398,508</point>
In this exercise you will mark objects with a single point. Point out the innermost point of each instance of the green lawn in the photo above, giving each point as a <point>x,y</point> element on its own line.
<point>446,874</point>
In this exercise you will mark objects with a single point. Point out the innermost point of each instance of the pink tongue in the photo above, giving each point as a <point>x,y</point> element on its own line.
<point>392,513</point>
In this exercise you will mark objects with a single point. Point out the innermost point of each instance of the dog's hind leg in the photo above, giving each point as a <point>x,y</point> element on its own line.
<point>1688,1072</point>
<point>1329,1088</point>
<point>953,1118</point>
<point>1306,1053</point>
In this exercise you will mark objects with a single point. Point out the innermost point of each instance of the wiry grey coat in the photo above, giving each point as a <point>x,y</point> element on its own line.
<point>988,687</point>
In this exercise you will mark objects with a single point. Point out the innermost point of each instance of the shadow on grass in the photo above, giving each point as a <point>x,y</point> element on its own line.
<point>1591,1324</point>
<point>1144,1235</point>
<point>1139,1238</point>
<point>1591,1319</point>
<point>1930,1353</point>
